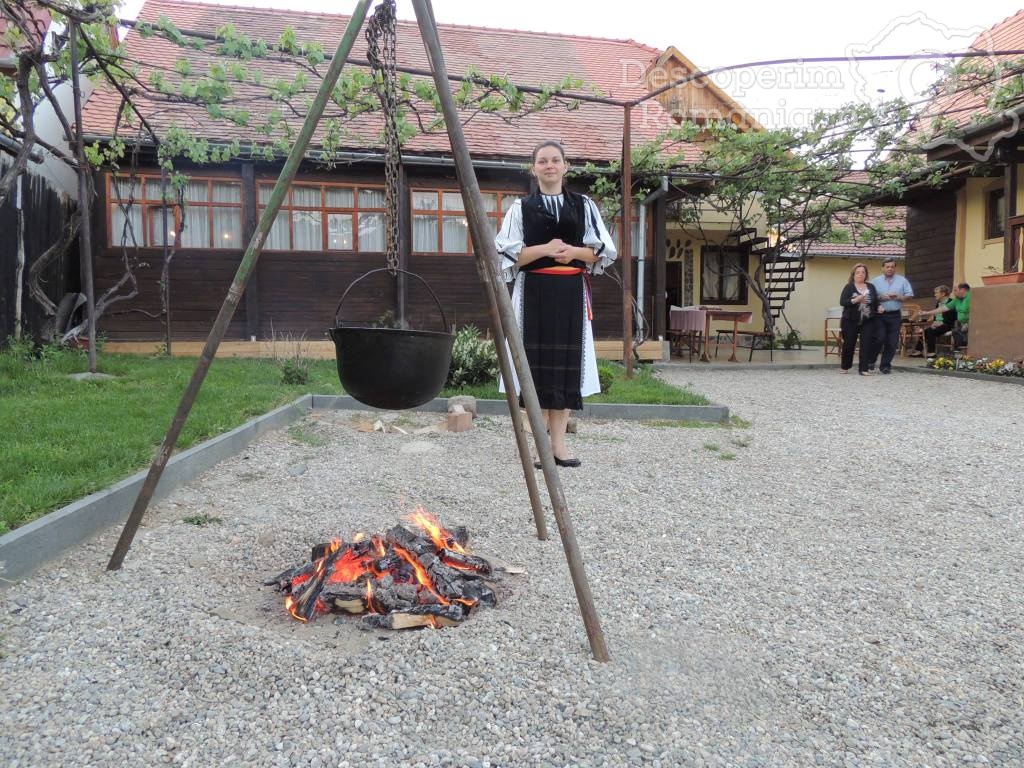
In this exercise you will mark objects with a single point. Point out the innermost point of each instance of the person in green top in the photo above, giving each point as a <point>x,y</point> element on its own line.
<point>943,317</point>
<point>961,302</point>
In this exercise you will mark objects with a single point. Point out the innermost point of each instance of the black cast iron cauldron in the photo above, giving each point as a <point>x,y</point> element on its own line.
<point>392,368</point>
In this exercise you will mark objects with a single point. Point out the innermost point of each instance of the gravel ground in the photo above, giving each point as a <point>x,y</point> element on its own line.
<point>837,584</point>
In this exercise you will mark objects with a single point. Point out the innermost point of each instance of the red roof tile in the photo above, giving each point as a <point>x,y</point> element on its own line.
<point>857,250</point>
<point>965,106</point>
<point>592,132</point>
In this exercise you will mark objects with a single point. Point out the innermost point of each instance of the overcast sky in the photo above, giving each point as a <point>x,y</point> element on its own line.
<point>738,31</point>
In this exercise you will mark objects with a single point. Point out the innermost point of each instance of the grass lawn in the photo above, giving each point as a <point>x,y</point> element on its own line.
<point>62,439</point>
<point>643,388</point>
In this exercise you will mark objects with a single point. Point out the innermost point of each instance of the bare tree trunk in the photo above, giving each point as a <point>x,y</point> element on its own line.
<point>19,273</point>
<point>84,208</point>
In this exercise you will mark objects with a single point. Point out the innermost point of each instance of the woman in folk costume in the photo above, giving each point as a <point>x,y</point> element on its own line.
<point>550,243</point>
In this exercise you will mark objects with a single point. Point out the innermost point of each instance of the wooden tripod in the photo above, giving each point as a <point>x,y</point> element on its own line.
<point>502,318</point>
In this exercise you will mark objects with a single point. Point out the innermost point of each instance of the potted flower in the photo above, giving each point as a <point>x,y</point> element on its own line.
<point>1000,277</point>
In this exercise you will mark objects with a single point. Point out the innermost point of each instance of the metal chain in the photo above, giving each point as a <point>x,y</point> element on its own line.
<point>381,43</point>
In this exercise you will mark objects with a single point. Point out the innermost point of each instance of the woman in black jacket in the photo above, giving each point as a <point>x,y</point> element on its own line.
<point>860,308</point>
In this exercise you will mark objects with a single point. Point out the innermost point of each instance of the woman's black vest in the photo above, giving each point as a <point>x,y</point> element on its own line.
<point>540,226</point>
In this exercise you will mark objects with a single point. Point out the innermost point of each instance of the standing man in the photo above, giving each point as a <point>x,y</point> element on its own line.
<point>892,290</point>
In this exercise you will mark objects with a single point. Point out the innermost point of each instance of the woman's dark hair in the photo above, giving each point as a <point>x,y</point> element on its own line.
<point>548,143</point>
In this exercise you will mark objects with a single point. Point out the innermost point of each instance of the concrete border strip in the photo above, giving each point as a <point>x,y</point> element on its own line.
<point>29,546</point>
<point>962,374</point>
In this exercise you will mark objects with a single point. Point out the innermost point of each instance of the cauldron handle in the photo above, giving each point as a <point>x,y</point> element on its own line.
<point>352,285</point>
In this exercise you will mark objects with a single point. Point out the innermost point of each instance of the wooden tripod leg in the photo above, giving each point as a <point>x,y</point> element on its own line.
<point>513,400</point>
<point>483,236</point>
<point>235,292</point>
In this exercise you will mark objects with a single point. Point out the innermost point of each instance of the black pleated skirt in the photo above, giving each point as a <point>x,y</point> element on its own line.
<point>553,325</point>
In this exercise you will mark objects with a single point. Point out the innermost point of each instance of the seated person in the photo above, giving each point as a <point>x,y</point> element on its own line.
<point>961,301</point>
<point>943,320</point>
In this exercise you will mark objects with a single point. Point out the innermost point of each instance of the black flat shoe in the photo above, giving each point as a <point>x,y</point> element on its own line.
<point>562,463</point>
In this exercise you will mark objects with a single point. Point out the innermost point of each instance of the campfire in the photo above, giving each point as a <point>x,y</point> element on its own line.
<point>402,579</point>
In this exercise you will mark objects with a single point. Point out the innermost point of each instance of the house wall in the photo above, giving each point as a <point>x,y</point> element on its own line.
<point>709,236</point>
<point>932,242</point>
<point>978,251</point>
<point>297,292</point>
<point>824,278</point>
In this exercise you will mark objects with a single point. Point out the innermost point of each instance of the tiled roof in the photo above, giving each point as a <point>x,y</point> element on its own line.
<point>40,20</point>
<point>971,105</point>
<point>857,251</point>
<point>592,132</point>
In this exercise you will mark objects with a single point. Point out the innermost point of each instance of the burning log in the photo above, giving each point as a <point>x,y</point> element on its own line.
<point>409,541</point>
<point>417,616</point>
<point>349,598</point>
<point>403,579</point>
<point>465,561</point>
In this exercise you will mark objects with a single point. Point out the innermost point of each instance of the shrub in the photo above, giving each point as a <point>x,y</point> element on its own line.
<point>605,375</point>
<point>295,371</point>
<point>474,360</point>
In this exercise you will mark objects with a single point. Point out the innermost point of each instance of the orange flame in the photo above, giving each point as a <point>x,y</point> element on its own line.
<point>369,597</point>
<point>289,603</point>
<point>358,537</point>
<point>378,543</point>
<point>348,568</point>
<point>441,536</point>
<point>421,573</point>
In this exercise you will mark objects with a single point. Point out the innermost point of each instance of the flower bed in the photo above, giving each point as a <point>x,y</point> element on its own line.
<point>996,366</point>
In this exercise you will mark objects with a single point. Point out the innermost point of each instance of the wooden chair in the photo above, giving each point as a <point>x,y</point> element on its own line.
<point>833,333</point>
<point>911,331</point>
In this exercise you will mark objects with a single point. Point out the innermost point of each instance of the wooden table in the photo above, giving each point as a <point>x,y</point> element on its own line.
<point>737,317</point>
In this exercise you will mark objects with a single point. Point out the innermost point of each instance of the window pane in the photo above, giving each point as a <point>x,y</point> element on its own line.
<point>339,231</point>
<point>277,239</point>
<point>308,197</point>
<point>490,201</point>
<point>371,232</point>
<point>265,190</point>
<point>455,234</point>
<point>424,234</point>
<point>130,235</point>
<point>195,231</point>
<point>153,190</point>
<point>506,202</point>
<point>157,226</point>
<point>451,201</point>
<point>730,276</point>
<point>196,192</point>
<point>226,192</point>
<point>126,190</point>
<point>371,198</point>
<point>227,227</point>
<point>308,232</point>
<point>709,276</point>
<point>341,198</point>
<point>424,201</point>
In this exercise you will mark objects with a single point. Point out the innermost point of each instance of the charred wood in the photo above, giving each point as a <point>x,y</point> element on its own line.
<point>409,541</point>
<point>466,561</point>
<point>417,616</point>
